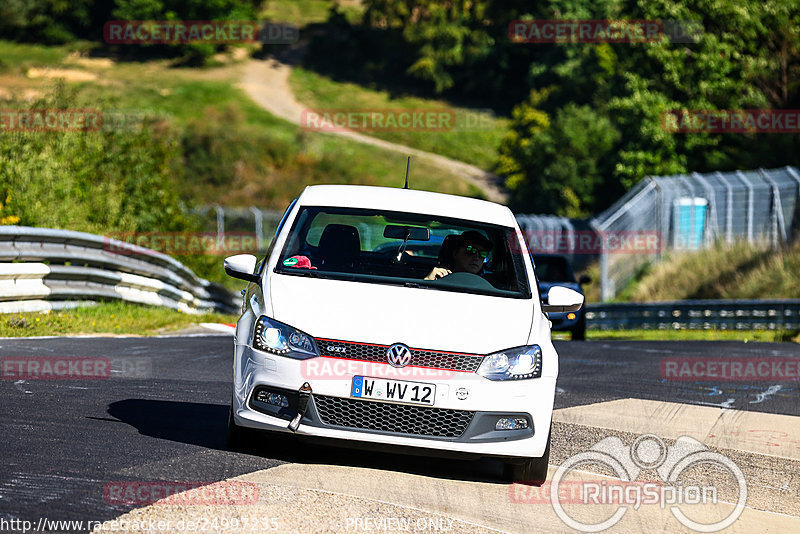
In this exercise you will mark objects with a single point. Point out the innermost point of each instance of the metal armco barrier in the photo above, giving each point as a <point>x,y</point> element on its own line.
<point>42,269</point>
<point>696,315</point>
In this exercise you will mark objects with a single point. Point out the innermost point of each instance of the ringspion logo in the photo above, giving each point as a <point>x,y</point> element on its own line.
<point>649,452</point>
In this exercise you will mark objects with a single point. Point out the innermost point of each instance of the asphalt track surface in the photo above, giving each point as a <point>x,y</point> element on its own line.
<point>63,441</point>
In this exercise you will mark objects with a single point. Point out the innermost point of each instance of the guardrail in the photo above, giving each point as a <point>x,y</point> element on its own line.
<point>781,314</point>
<point>42,269</point>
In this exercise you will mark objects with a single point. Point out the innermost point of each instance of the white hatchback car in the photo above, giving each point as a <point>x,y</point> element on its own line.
<point>396,317</point>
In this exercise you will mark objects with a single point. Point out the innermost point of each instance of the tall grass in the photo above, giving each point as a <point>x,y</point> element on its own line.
<point>738,271</point>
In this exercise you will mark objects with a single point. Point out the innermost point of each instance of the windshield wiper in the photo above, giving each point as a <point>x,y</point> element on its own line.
<point>403,246</point>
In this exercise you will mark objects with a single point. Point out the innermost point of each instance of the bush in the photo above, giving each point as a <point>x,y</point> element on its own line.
<point>92,181</point>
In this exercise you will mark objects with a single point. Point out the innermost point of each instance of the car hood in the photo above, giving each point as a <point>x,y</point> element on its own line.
<point>385,314</point>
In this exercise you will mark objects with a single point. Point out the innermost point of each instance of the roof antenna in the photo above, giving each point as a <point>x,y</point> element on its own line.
<point>408,164</point>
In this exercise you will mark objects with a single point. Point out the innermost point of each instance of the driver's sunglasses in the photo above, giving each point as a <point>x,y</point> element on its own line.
<point>471,250</point>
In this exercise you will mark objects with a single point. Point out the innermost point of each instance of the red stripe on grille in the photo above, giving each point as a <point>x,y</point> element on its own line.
<point>411,348</point>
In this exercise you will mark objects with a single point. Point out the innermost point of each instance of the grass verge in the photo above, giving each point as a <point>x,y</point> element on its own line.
<point>473,135</point>
<point>128,318</point>
<point>105,318</point>
<point>303,12</point>
<point>773,336</point>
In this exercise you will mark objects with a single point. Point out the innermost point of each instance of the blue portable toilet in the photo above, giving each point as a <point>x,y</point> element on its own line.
<point>689,223</point>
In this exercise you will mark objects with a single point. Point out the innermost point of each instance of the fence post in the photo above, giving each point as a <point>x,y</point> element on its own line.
<point>259,217</point>
<point>659,216</point>
<point>728,208</point>
<point>220,221</point>
<point>606,292</point>
<point>750,199</point>
<point>791,171</point>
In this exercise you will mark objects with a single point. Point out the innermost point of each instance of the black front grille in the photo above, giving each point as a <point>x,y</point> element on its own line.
<point>421,358</point>
<point>388,417</point>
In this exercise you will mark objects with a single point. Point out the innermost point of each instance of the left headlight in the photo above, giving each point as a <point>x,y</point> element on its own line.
<point>513,364</point>
<point>278,338</point>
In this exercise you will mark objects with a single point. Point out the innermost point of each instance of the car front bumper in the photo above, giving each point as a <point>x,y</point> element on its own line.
<point>462,419</point>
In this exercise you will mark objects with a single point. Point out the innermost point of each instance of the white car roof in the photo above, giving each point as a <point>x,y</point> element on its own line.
<point>407,200</point>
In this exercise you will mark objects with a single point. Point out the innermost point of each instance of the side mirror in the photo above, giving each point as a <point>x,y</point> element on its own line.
<point>242,266</point>
<point>562,299</point>
<point>584,279</point>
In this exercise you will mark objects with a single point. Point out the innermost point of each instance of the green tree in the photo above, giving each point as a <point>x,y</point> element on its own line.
<point>559,166</point>
<point>45,21</point>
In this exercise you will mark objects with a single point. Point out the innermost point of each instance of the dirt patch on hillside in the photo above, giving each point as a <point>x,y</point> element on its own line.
<point>69,75</point>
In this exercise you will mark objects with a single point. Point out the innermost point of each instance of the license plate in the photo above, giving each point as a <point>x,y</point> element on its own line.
<point>365,387</point>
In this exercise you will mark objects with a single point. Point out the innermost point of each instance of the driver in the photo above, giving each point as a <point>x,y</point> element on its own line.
<point>468,255</point>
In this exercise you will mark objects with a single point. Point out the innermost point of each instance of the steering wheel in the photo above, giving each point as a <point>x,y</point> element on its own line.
<point>464,279</point>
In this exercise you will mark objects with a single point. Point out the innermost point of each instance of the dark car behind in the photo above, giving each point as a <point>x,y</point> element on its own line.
<point>555,270</point>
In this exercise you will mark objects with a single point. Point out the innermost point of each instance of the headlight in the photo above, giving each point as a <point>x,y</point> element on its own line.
<point>278,338</point>
<point>513,364</point>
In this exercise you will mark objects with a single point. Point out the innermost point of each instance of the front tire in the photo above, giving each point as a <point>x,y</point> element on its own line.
<point>533,471</point>
<point>579,332</point>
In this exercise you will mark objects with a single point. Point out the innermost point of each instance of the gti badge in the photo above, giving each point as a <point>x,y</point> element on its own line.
<point>398,355</point>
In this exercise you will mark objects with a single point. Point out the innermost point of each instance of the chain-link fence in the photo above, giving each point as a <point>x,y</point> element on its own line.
<point>682,212</point>
<point>261,223</point>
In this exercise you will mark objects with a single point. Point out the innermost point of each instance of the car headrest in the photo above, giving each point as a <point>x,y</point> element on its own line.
<point>339,246</point>
<point>448,248</point>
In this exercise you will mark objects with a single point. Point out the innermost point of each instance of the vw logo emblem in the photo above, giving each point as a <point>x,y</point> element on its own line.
<point>398,355</point>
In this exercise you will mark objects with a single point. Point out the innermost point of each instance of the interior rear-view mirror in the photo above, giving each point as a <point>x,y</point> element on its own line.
<point>410,233</point>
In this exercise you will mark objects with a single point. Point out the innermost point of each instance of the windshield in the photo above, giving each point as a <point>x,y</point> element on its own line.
<point>387,247</point>
<point>553,269</point>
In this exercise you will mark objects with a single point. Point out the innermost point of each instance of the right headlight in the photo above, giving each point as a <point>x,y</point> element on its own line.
<point>513,364</point>
<point>282,339</point>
